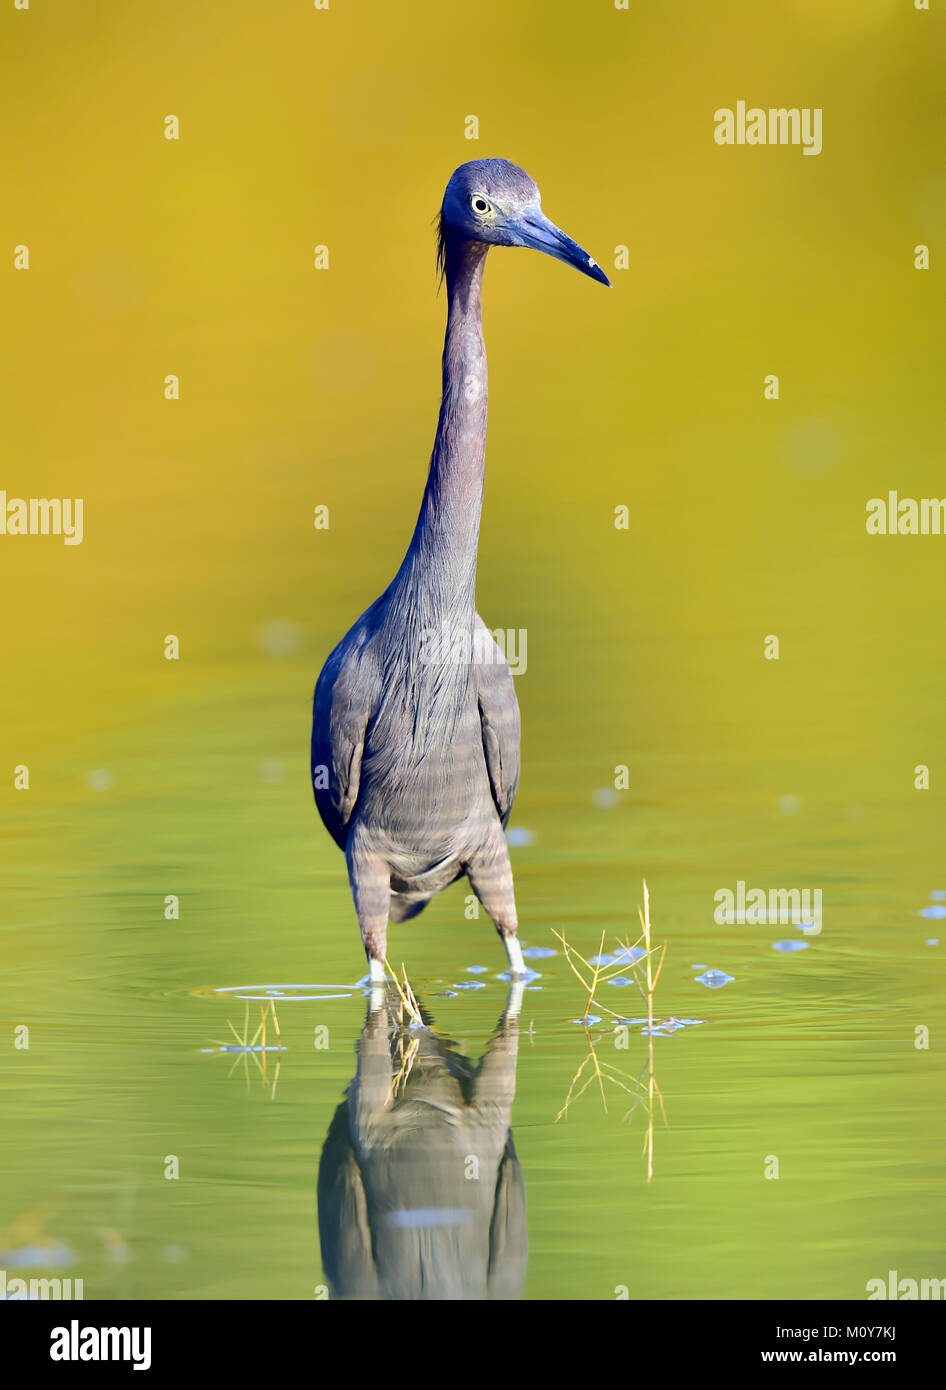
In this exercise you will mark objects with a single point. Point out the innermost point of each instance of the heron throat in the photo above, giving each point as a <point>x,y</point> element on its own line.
<point>439,570</point>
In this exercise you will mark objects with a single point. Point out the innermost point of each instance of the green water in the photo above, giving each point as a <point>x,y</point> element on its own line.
<point>808,1057</point>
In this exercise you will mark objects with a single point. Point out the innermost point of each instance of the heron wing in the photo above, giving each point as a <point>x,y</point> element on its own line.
<point>341,709</point>
<point>499,717</point>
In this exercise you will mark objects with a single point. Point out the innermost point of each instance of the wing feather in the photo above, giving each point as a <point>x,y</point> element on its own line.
<point>342,708</point>
<point>499,717</point>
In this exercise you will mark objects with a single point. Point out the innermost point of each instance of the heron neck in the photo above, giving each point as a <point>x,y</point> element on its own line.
<point>441,561</point>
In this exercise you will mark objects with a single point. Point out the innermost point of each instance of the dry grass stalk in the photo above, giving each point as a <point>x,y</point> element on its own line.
<point>248,1048</point>
<point>408,999</point>
<point>645,971</point>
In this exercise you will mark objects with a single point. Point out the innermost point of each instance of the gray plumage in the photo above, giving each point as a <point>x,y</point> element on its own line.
<point>415,734</point>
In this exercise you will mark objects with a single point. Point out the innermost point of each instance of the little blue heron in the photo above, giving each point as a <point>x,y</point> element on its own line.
<point>415,731</point>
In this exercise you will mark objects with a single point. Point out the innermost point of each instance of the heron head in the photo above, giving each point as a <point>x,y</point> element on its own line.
<point>495,202</point>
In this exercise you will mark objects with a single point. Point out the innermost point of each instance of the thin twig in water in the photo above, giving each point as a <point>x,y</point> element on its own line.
<point>602,973</point>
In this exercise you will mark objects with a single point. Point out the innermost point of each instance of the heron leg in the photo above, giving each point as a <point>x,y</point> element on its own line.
<point>370,880</point>
<point>490,875</point>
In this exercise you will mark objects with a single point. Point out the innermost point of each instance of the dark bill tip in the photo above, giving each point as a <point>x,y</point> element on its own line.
<point>543,235</point>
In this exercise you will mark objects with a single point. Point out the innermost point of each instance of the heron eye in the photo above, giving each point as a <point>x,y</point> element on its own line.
<point>481,204</point>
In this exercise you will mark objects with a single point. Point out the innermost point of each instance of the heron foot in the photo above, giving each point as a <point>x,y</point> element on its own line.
<point>517,965</point>
<point>376,977</point>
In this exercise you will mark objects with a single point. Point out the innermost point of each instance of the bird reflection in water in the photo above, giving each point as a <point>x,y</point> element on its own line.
<point>420,1191</point>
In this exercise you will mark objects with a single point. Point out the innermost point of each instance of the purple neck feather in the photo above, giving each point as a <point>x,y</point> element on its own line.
<point>439,569</point>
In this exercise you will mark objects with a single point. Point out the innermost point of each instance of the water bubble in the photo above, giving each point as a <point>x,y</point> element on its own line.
<point>100,779</point>
<point>790,945</point>
<point>539,952</point>
<point>666,1027</point>
<point>587,1020</point>
<point>630,953</point>
<point>625,955</point>
<point>714,979</point>
<point>936,910</point>
<point>789,804</point>
<point>477,969</point>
